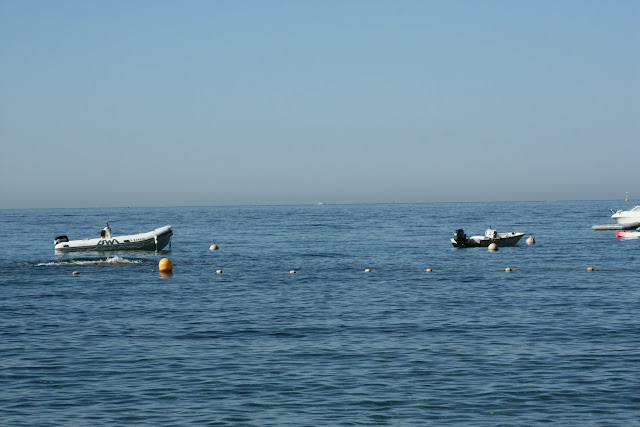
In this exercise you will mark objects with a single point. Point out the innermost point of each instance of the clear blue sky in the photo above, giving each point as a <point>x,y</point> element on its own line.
<point>171,103</point>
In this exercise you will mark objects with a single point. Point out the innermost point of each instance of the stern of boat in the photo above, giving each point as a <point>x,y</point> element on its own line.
<point>163,237</point>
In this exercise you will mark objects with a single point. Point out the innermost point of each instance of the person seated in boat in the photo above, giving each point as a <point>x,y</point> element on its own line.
<point>105,233</point>
<point>491,233</point>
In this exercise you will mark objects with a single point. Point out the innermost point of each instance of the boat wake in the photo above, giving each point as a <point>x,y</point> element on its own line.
<point>114,260</point>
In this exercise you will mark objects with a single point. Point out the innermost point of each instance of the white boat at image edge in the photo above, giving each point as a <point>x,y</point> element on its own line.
<point>628,216</point>
<point>628,234</point>
<point>460,240</point>
<point>150,241</point>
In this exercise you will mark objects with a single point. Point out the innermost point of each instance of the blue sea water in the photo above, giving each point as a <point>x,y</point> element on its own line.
<point>468,343</point>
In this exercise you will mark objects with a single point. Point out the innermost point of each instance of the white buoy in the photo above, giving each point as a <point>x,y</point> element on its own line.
<point>213,247</point>
<point>367,270</point>
<point>493,247</point>
<point>292,272</point>
<point>428,270</point>
<point>218,271</point>
<point>507,269</point>
<point>531,240</point>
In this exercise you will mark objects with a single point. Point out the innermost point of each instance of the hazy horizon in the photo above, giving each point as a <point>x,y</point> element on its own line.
<point>620,204</point>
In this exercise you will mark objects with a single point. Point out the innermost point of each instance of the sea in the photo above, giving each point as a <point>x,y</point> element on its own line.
<point>321,315</point>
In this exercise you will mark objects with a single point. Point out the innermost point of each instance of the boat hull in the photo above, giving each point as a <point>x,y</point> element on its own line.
<point>150,241</point>
<point>503,239</point>
<point>617,226</point>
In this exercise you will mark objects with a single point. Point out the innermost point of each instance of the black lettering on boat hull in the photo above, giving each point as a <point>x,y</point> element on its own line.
<point>108,242</point>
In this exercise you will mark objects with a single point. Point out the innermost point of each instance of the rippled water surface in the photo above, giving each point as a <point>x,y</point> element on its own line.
<point>467,343</point>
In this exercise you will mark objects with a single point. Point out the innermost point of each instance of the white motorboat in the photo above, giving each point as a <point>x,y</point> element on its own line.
<point>624,217</point>
<point>460,240</point>
<point>150,241</point>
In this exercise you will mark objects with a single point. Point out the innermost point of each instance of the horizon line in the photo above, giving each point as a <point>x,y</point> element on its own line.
<point>322,204</point>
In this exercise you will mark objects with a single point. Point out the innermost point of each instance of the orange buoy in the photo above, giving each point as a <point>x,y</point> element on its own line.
<point>165,265</point>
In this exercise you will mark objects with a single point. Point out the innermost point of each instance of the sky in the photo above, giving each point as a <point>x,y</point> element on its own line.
<point>202,103</point>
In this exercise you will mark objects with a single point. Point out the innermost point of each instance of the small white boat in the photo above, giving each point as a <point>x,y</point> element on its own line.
<point>624,217</point>
<point>628,234</point>
<point>460,240</point>
<point>150,241</point>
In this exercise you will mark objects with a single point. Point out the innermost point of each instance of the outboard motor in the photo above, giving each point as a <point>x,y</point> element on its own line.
<point>105,233</point>
<point>60,239</point>
<point>460,237</point>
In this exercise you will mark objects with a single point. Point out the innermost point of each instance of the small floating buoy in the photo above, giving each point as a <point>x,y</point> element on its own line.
<point>213,247</point>
<point>367,270</point>
<point>428,270</point>
<point>531,240</point>
<point>590,269</point>
<point>493,247</point>
<point>218,271</point>
<point>292,272</point>
<point>165,265</point>
<point>508,269</point>
<point>75,273</point>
